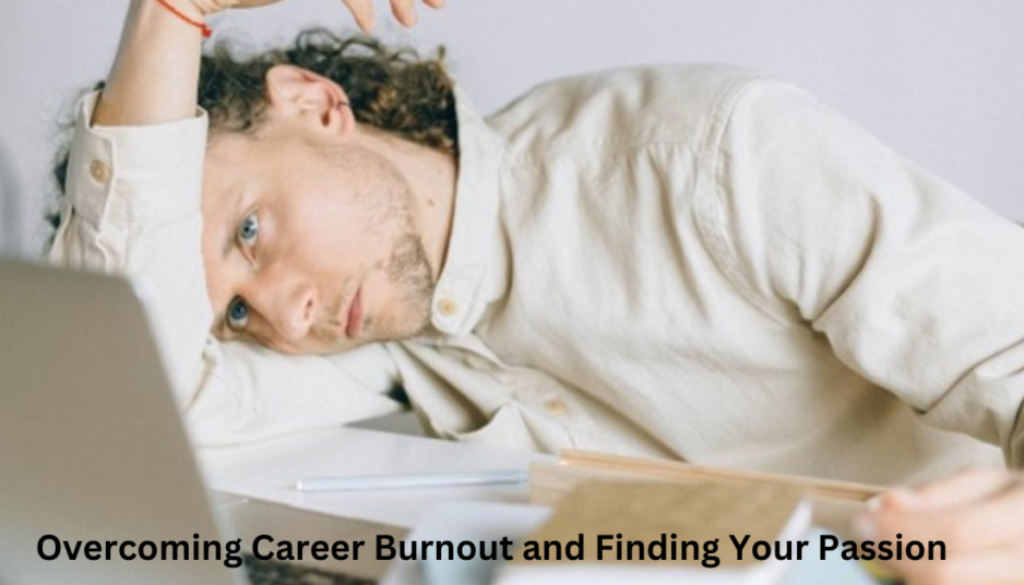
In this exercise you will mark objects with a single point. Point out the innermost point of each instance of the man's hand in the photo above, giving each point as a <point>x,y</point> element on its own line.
<point>362,10</point>
<point>978,514</point>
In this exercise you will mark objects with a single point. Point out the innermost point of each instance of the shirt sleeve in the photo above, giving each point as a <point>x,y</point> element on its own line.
<point>132,207</point>
<point>915,285</point>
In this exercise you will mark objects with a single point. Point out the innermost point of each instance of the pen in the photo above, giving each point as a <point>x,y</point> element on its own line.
<point>413,480</point>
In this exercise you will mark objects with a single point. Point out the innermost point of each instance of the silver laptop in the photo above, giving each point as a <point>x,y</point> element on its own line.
<point>94,460</point>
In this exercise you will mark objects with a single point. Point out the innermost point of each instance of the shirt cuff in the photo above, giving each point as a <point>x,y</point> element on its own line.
<point>108,164</point>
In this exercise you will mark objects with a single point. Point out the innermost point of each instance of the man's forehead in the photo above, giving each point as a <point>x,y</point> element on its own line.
<point>229,148</point>
<point>227,170</point>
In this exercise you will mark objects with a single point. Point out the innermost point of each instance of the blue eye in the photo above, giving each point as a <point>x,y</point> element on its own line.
<point>249,230</point>
<point>238,314</point>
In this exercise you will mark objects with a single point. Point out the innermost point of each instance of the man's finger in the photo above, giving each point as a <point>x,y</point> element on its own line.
<point>967,486</point>
<point>404,11</point>
<point>362,10</point>
<point>434,3</point>
<point>973,526</point>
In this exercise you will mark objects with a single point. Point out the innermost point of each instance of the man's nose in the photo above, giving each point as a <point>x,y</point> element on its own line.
<point>288,302</point>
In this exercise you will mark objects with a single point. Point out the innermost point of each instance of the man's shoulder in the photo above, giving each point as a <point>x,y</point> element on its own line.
<point>629,105</point>
<point>693,78</point>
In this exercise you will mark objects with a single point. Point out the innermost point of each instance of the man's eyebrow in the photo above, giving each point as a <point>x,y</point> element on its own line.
<point>229,242</point>
<point>221,313</point>
<point>220,324</point>
<point>232,237</point>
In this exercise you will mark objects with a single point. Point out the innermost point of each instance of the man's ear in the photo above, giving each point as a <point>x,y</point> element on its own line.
<point>299,95</point>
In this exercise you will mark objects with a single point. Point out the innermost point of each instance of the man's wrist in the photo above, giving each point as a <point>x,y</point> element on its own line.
<point>171,10</point>
<point>183,13</point>
<point>203,8</point>
<point>192,9</point>
<point>187,8</point>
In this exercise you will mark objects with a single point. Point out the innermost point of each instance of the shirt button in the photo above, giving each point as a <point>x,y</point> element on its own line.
<point>556,406</point>
<point>447,307</point>
<point>99,171</point>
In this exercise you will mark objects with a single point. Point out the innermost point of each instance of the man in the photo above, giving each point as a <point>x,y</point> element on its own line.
<point>696,263</point>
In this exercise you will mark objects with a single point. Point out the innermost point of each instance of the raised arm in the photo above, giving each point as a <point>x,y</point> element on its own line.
<point>155,75</point>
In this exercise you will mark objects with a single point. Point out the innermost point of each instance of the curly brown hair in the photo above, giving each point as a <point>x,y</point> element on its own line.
<point>393,89</point>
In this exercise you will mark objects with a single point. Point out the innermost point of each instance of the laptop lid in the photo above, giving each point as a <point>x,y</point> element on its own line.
<point>91,446</point>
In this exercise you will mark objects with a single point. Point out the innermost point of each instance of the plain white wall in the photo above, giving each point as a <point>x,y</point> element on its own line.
<point>939,80</point>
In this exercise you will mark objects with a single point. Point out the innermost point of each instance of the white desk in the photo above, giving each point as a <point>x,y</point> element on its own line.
<point>268,472</point>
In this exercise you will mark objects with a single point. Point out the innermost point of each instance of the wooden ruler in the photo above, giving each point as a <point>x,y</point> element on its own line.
<point>834,501</point>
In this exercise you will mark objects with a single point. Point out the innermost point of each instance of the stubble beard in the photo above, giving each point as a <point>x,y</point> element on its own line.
<point>410,272</point>
<point>408,267</point>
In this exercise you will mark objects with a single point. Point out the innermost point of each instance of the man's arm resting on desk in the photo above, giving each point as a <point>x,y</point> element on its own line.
<point>916,286</point>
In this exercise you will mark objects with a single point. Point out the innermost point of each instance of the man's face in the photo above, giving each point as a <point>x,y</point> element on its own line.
<point>310,242</point>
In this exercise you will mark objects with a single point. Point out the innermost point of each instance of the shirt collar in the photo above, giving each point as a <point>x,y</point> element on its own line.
<point>475,269</point>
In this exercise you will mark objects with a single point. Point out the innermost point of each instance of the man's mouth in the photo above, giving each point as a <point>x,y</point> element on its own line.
<point>354,322</point>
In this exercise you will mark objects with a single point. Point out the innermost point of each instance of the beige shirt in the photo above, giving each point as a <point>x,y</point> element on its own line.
<point>700,263</point>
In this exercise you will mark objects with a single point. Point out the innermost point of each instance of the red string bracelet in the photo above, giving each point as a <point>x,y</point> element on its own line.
<point>207,31</point>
